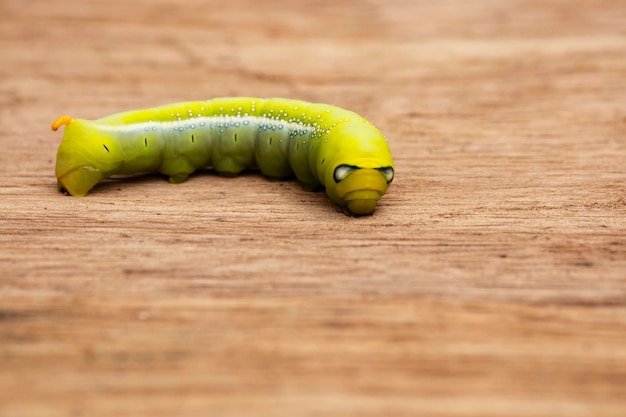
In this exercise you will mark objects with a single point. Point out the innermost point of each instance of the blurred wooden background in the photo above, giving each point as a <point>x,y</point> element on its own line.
<point>491,281</point>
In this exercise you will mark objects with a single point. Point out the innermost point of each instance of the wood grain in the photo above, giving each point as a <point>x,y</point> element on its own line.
<point>491,281</point>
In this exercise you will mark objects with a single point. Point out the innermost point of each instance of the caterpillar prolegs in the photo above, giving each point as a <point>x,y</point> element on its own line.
<point>322,145</point>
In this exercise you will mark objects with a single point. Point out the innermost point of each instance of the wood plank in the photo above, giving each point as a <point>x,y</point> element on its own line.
<point>491,280</point>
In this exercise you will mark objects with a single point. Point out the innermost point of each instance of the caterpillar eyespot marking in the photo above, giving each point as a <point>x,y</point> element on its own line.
<point>340,151</point>
<point>388,173</point>
<point>342,171</point>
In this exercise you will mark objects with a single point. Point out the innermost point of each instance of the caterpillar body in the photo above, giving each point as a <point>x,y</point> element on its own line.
<point>322,145</point>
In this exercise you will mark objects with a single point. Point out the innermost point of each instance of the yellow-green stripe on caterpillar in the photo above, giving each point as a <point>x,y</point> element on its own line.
<point>322,145</point>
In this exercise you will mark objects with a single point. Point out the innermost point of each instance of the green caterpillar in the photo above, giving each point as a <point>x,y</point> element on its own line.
<point>321,145</point>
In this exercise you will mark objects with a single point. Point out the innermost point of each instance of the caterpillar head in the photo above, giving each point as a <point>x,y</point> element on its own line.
<point>360,169</point>
<point>83,158</point>
<point>357,190</point>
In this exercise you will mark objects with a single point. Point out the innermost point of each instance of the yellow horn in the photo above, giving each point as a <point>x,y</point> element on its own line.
<point>61,121</point>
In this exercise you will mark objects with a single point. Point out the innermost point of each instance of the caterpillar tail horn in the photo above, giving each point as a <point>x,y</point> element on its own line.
<point>61,121</point>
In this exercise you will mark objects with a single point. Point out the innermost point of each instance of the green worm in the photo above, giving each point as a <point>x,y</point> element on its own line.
<point>322,145</point>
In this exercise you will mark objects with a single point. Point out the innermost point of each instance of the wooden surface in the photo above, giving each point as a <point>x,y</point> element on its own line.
<point>491,281</point>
